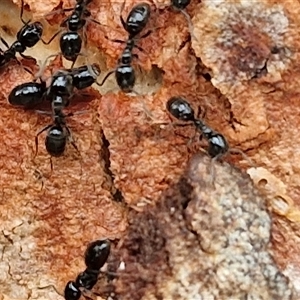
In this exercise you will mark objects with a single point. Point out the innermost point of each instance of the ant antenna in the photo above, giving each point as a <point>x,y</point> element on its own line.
<point>190,24</point>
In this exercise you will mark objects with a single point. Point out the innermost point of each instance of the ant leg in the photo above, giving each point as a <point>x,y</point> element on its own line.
<point>58,11</point>
<point>145,108</point>
<point>37,138</point>
<point>52,38</point>
<point>26,57</point>
<point>212,171</point>
<point>25,68</point>
<point>78,54</point>
<point>189,21</point>
<point>71,140</point>
<point>51,164</point>
<point>115,40</point>
<point>121,17</point>
<point>43,112</point>
<point>4,42</point>
<point>44,64</point>
<point>146,34</point>
<point>21,13</point>
<point>105,78</point>
<point>247,158</point>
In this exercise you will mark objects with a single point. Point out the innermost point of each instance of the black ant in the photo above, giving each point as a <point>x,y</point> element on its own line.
<point>136,21</point>
<point>180,4</point>
<point>85,76</point>
<point>96,255</point>
<point>70,41</point>
<point>58,131</point>
<point>27,37</point>
<point>137,18</point>
<point>30,94</point>
<point>59,92</point>
<point>182,110</point>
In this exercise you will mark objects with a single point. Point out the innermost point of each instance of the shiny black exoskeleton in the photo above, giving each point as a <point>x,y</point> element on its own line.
<point>85,76</point>
<point>135,23</point>
<point>70,45</point>
<point>28,94</point>
<point>71,41</point>
<point>87,279</point>
<point>180,4</point>
<point>96,254</point>
<point>125,73</point>
<point>59,92</point>
<point>61,85</point>
<point>137,19</point>
<point>182,110</point>
<point>57,136</point>
<point>95,257</point>
<point>72,291</point>
<point>27,37</point>
<point>217,144</point>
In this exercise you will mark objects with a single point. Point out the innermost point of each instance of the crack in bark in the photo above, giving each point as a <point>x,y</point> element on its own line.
<point>105,156</point>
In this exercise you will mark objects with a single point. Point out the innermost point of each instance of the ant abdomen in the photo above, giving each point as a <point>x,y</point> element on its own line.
<point>70,45</point>
<point>28,94</point>
<point>125,77</point>
<point>96,254</point>
<point>56,141</point>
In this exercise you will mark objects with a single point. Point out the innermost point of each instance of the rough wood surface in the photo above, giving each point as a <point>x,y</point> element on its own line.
<point>242,70</point>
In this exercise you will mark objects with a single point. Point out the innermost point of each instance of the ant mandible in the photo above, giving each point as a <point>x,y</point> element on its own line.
<point>136,21</point>
<point>27,37</point>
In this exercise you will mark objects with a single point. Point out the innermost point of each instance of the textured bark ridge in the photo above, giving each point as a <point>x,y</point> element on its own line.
<point>201,241</point>
<point>241,73</point>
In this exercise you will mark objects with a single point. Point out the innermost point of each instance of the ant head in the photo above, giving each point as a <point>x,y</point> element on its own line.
<point>30,34</point>
<point>137,18</point>
<point>72,291</point>
<point>96,254</point>
<point>180,4</point>
<point>180,109</point>
<point>217,145</point>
